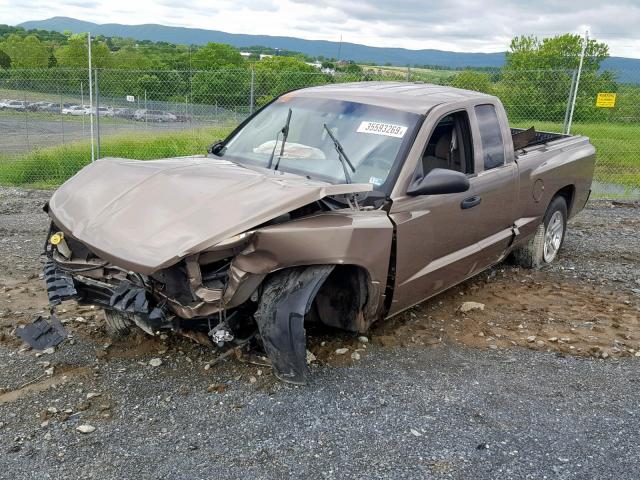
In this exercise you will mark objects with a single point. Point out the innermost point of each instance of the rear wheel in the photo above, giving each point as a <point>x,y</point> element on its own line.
<point>543,247</point>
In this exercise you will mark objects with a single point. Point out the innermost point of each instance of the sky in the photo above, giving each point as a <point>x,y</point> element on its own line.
<point>456,25</point>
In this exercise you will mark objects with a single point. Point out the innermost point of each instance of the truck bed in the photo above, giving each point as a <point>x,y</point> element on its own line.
<point>523,138</point>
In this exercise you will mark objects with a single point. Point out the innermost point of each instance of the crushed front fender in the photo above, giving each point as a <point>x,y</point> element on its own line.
<point>286,298</point>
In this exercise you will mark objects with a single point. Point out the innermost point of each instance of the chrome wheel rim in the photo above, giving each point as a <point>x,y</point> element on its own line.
<point>553,236</point>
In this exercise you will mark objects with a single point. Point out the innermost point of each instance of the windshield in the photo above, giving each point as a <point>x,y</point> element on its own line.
<point>372,138</point>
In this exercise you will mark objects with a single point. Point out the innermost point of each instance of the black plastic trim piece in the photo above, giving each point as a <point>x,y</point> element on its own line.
<point>286,299</point>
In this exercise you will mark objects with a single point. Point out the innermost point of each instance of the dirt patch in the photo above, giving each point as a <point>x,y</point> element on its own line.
<point>527,309</point>
<point>62,374</point>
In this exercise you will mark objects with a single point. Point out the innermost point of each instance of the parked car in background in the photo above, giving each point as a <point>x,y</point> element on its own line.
<point>75,110</point>
<point>45,107</point>
<point>128,113</point>
<point>16,105</point>
<point>102,111</point>
<point>4,102</point>
<point>143,115</point>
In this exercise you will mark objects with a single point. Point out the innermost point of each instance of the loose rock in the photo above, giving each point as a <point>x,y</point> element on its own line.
<point>155,362</point>
<point>310,357</point>
<point>85,428</point>
<point>217,388</point>
<point>468,306</point>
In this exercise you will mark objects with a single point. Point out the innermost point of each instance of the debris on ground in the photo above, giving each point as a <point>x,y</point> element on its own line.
<point>155,362</point>
<point>85,428</point>
<point>468,306</point>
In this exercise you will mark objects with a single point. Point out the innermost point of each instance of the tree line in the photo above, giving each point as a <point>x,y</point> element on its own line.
<point>534,83</point>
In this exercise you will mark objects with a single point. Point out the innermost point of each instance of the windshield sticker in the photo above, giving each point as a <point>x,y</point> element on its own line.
<point>379,128</point>
<point>376,181</point>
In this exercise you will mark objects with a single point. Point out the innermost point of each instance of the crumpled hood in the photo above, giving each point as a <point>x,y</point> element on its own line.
<point>147,215</point>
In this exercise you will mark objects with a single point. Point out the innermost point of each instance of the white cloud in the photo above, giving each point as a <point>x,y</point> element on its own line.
<point>458,25</point>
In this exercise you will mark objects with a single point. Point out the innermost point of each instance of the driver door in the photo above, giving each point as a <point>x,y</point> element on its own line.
<point>445,238</point>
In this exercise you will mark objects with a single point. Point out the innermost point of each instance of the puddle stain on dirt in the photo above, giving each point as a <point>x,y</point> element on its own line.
<point>64,375</point>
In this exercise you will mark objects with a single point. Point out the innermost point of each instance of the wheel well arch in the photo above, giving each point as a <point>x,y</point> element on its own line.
<point>567,192</point>
<point>343,298</point>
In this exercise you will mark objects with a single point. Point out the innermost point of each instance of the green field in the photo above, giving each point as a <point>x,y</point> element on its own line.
<point>34,96</point>
<point>422,74</point>
<point>49,167</point>
<point>617,147</point>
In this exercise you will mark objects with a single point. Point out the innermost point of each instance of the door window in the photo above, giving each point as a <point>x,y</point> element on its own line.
<point>450,145</point>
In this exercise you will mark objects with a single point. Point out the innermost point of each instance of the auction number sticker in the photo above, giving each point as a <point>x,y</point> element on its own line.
<point>379,128</point>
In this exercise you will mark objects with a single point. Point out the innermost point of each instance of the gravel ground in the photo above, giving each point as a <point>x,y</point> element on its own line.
<point>436,393</point>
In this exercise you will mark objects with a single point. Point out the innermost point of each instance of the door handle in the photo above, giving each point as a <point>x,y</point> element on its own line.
<point>470,202</point>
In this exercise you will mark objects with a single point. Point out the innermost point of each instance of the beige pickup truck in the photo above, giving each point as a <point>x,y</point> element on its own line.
<point>341,204</point>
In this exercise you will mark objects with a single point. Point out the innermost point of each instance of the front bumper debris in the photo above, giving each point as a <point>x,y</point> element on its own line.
<point>41,334</point>
<point>60,285</point>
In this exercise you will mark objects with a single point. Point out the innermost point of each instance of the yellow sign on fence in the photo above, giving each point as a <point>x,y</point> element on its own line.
<point>606,100</point>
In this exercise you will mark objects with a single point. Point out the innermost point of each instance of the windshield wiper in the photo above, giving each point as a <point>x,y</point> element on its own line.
<point>344,160</point>
<point>285,134</point>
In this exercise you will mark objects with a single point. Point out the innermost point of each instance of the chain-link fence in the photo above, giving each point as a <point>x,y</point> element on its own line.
<point>47,121</point>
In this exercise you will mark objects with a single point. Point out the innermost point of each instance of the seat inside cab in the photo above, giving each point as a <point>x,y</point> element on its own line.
<point>450,145</point>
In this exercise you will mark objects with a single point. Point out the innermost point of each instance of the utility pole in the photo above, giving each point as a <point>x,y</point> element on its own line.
<point>252,91</point>
<point>97,113</point>
<point>93,157</point>
<point>575,91</point>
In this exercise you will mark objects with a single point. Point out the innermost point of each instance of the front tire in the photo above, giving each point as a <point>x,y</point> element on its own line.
<point>118,324</point>
<point>542,248</point>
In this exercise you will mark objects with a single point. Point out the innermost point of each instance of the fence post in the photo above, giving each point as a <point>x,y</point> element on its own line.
<point>62,117</point>
<point>252,91</point>
<point>145,109</point>
<point>81,103</point>
<point>569,100</point>
<point>186,111</point>
<point>575,93</point>
<point>408,73</point>
<point>26,120</point>
<point>93,157</point>
<point>95,73</point>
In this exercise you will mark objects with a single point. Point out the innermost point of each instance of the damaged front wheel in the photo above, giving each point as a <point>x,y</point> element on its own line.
<point>118,324</point>
<point>286,298</point>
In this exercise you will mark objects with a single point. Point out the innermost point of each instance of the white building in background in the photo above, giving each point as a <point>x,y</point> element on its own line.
<point>245,54</point>
<point>264,55</point>
<point>315,64</point>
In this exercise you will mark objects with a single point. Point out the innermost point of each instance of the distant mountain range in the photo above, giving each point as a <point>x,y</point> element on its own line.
<point>628,68</point>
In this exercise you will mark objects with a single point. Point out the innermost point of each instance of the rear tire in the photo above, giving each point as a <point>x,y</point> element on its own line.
<point>118,324</point>
<point>542,248</point>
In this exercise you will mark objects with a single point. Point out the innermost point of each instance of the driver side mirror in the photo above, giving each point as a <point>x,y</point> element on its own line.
<point>439,181</point>
<point>216,147</point>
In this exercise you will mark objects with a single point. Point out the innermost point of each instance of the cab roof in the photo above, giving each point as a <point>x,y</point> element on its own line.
<point>406,96</point>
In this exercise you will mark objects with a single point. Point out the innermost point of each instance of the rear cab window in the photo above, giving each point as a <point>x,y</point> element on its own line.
<point>490,136</point>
